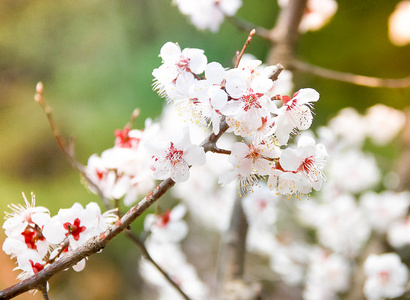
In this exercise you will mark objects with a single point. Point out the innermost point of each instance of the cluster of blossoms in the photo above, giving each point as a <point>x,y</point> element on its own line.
<point>343,214</point>
<point>209,14</point>
<point>248,100</point>
<point>122,171</point>
<point>36,239</point>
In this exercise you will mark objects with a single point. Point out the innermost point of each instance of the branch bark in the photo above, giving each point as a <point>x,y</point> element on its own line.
<point>350,77</point>
<point>285,34</point>
<point>231,266</point>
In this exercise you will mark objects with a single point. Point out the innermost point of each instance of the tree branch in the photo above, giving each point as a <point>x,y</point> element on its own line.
<point>351,78</point>
<point>95,244</point>
<point>148,257</point>
<point>285,34</point>
<point>231,263</point>
<point>247,26</point>
<point>92,246</point>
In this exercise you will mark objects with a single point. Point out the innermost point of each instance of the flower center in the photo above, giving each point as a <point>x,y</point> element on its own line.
<point>75,229</point>
<point>174,156</point>
<point>251,100</point>
<point>183,65</point>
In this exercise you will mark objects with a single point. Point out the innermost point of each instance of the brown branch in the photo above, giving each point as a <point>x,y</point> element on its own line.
<point>240,54</point>
<point>148,257</point>
<point>278,69</point>
<point>92,246</point>
<point>247,26</point>
<point>67,150</point>
<point>285,34</point>
<point>351,78</point>
<point>95,244</point>
<point>231,262</point>
<point>71,157</point>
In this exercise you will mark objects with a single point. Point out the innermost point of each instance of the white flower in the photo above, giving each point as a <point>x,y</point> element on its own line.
<point>23,227</point>
<point>168,227</point>
<point>383,209</point>
<point>295,114</point>
<point>349,126</point>
<point>327,275</point>
<point>386,276</point>
<point>174,158</point>
<point>289,262</point>
<point>77,222</point>
<point>353,171</point>
<point>260,207</point>
<point>250,161</point>
<point>341,226</point>
<point>249,90</point>
<point>398,234</point>
<point>308,158</point>
<point>176,62</point>
<point>383,123</point>
<point>208,14</point>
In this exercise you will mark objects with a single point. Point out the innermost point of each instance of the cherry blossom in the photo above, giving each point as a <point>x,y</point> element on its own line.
<point>398,234</point>
<point>167,227</point>
<point>174,158</point>
<point>176,62</point>
<point>295,114</point>
<point>383,209</point>
<point>327,275</point>
<point>308,158</point>
<point>260,207</point>
<point>208,14</point>
<point>23,227</point>
<point>250,161</point>
<point>383,123</point>
<point>386,276</point>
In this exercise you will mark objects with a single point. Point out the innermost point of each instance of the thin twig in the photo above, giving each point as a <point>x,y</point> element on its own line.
<point>284,36</point>
<point>148,257</point>
<point>67,150</point>
<point>71,157</point>
<point>247,26</point>
<point>278,69</point>
<point>133,117</point>
<point>351,78</point>
<point>44,292</point>
<point>96,244</point>
<point>240,54</point>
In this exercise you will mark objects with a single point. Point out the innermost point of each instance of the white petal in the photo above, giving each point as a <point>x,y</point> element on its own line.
<point>170,52</point>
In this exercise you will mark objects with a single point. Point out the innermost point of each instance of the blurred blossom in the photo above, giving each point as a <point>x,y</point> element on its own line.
<point>399,24</point>
<point>260,207</point>
<point>353,171</point>
<point>208,14</point>
<point>349,126</point>
<point>383,209</point>
<point>327,275</point>
<point>398,234</point>
<point>382,122</point>
<point>386,276</point>
<point>290,260</point>
<point>341,226</point>
<point>169,226</point>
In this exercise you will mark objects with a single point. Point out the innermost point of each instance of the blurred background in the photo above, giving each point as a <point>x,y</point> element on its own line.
<point>95,59</point>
